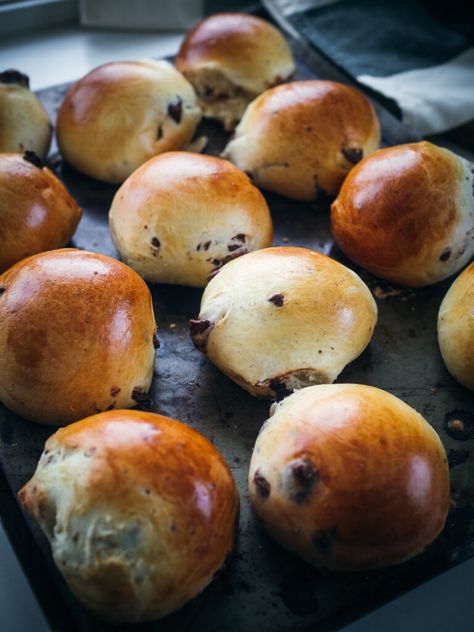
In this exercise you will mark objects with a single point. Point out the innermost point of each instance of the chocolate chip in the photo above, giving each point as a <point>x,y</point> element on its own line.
<point>35,160</point>
<point>115,390</point>
<point>304,470</point>
<point>233,255</point>
<point>198,326</point>
<point>352,154</point>
<point>445,254</point>
<point>175,110</point>
<point>2,289</point>
<point>156,342</point>
<point>208,91</point>
<point>279,388</point>
<point>159,133</point>
<point>323,540</point>
<point>206,245</point>
<point>111,407</point>
<point>140,395</point>
<point>232,247</point>
<point>277,299</point>
<point>155,242</point>
<point>199,331</point>
<point>262,486</point>
<point>16,77</point>
<point>240,237</point>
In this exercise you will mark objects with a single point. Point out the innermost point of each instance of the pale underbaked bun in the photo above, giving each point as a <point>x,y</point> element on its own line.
<point>24,123</point>
<point>122,113</point>
<point>456,328</point>
<point>302,138</point>
<point>149,524</point>
<point>76,334</point>
<point>280,319</point>
<point>36,211</point>
<point>230,58</point>
<point>349,477</point>
<point>182,215</point>
<point>406,214</point>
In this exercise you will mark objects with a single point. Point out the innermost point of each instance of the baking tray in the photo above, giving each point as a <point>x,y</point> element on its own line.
<point>262,587</point>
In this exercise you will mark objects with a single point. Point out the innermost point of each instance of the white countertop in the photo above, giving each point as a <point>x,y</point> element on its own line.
<point>64,54</point>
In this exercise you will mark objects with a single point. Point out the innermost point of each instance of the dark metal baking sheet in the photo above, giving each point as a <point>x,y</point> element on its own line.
<point>262,587</point>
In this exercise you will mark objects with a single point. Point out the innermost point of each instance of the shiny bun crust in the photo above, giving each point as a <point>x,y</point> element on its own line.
<point>349,477</point>
<point>284,318</point>
<point>123,113</point>
<point>36,211</point>
<point>406,214</point>
<point>302,138</point>
<point>150,523</point>
<point>230,58</point>
<point>76,334</point>
<point>24,123</point>
<point>181,215</point>
<point>456,328</point>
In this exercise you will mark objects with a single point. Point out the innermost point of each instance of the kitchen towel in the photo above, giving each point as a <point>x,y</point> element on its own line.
<point>397,49</point>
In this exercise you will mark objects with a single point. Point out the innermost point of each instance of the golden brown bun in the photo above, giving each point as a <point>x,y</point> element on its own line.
<point>181,215</point>
<point>456,328</point>
<point>230,58</point>
<point>24,123</point>
<point>121,114</point>
<point>36,211</point>
<point>76,334</point>
<point>302,138</point>
<point>349,477</point>
<point>280,319</point>
<point>406,214</point>
<point>140,511</point>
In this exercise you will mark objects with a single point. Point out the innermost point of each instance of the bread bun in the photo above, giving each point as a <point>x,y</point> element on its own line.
<point>230,58</point>
<point>456,328</point>
<point>36,211</point>
<point>150,523</point>
<point>280,319</point>
<point>349,477</point>
<point>301,139</point>
<point>181,215</point>
<point>24,123</point>
<point>406,214</point>
<point>76,334</point>
<point>123,113</point>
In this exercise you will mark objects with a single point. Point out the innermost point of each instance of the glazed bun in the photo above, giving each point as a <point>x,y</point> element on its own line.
<point>456,328</point>
<point>230,58</point>
<point>150,523</point>
<point>349,477</point>
<point>181,215</point>
<point>406,214</point>
<point>301,139</point>
<point>36,211</point>
<point>76,336</point>
<point>281,319</point>
<point>123,113</point>
<point>24,123</point>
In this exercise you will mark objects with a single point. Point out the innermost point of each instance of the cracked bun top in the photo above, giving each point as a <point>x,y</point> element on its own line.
<point>230,58</point>
<point>406,214</point>
<point>281,318</point>
<point>24,123</point>
<point>349,477</point>
<point>36,211</point>
<point>301,139</point>
<point>456,328</point>
<point>76,333</point>
<point>152,520</point>
<point>122,113</point>
<point>181,216</point>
